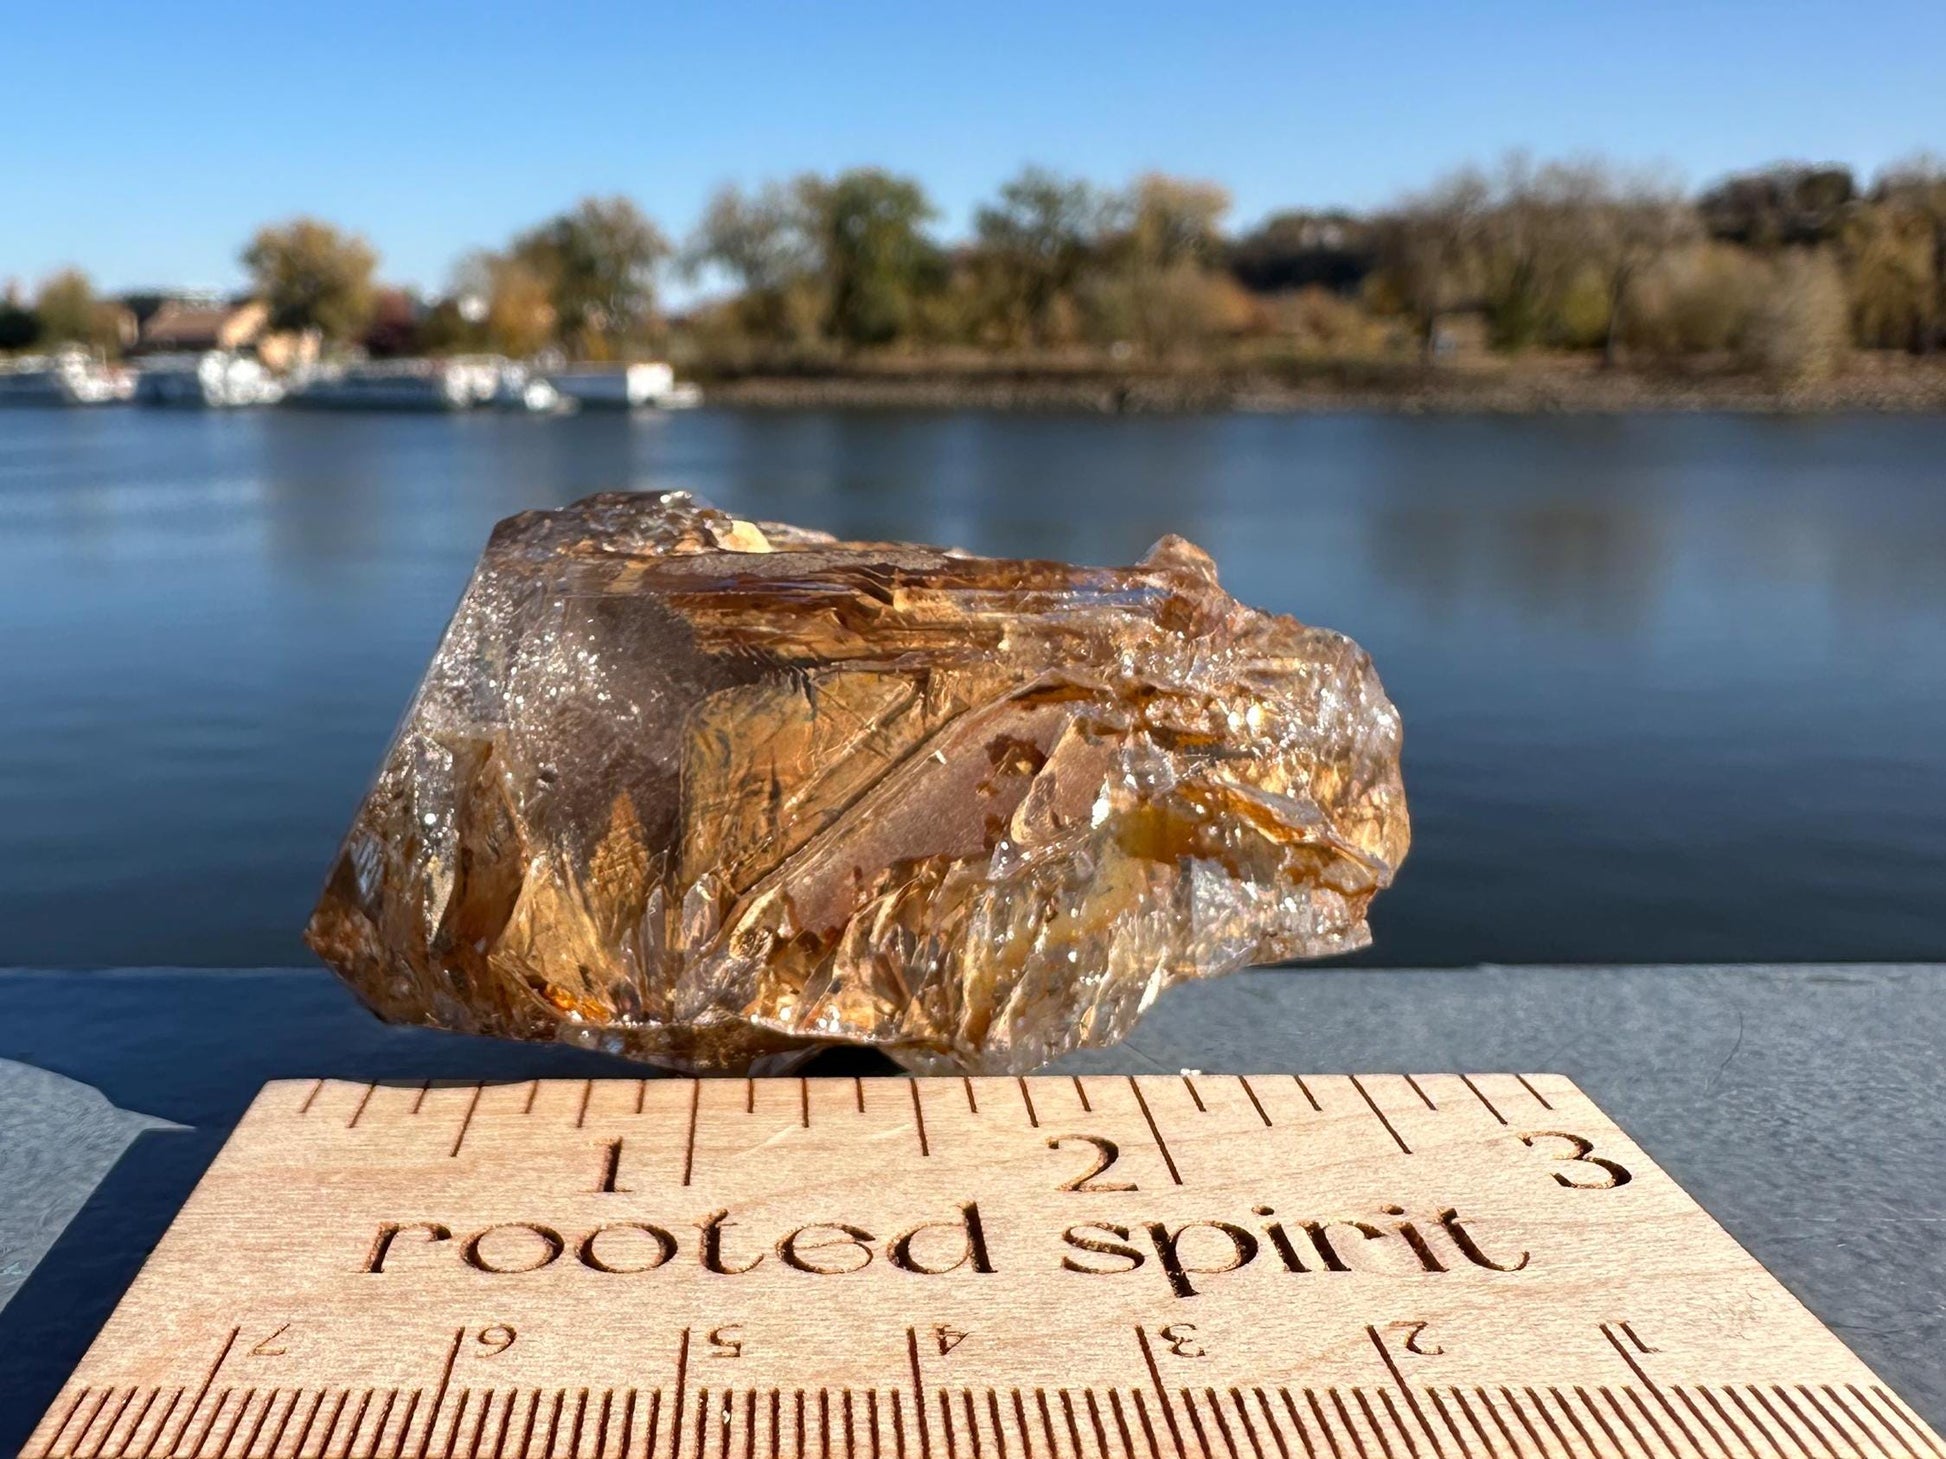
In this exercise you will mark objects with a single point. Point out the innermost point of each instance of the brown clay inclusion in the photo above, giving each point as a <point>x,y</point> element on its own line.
<point>712,793</point>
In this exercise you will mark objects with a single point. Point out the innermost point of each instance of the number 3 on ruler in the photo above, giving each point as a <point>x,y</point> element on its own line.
<point>1583,1153</point>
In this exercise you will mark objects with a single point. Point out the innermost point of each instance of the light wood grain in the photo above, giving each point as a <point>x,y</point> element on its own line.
<point>1331,1267</point>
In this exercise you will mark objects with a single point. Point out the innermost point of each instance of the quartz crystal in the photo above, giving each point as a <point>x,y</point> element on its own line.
<point>714,793</point>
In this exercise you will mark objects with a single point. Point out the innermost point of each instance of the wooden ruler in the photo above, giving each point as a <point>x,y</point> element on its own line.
<point>1195,1267</point>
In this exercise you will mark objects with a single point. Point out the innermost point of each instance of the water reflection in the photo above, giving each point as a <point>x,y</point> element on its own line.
<point>1675,687</point>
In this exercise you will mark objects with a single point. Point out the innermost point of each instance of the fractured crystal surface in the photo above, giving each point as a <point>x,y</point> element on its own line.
<point>713,793</point>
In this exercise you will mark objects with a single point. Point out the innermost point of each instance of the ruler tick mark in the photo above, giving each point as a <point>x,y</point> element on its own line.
<point>1392,1412</point>
<point>919,1123</point>
<point>1709,1428</point>
<point>1270,1422</point>
<point>1898,1411</point>
<point>419,1099</point>
<point>1255,1103</point>
<point>972,1104</point>
<point>114,1420</point>
<point>1344,1417</point>
<point>405,1423</point>
<point>1222,1424</point>
<point>554,1422</point>
<point>1161,1145</point>
<point>1026,1098</point>
<point>1648,1417</point>
<point>689,1146</point>
<point>1459,1436</point>
<point>1857,1423</point>
<point>1525,1423</point>
<point>1249,1429</point>
<point>256,1429</point>
<point>1533,1091</point>
<point>1161,1393</point>
<point>1424,1098</point>
<point>803,1103</point>
<point>1081,1093</point>
<point>675,1414</point>
<point>363,1100</point>
<point>1493,1450</point>
<point>858,1092</point>
<point>1195,1096</point>
<point>1305,1090</point>
<point>378,1429</point>
<point>1811,1400</point>
<point>141,1414</point>
<point>54,1442</point>
<point>310,1419</point>
<point>1594,1412</point>
<point>1392,1367</point>
<point>1372,1104</point>
<point>581,1112</point>
<point>1467,1080</point>
<point>466,1120</point>
<point>317,1088</point>
<point>439,1394</point>
<point>918,1387</point>
<point>1195,1422</point>
<point>533,1093</point>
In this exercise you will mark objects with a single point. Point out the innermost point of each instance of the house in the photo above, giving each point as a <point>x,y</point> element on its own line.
<point>197,323</point>
<point>193,324</point>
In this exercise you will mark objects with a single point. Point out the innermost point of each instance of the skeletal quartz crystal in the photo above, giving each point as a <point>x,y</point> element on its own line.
<point>714,793</point>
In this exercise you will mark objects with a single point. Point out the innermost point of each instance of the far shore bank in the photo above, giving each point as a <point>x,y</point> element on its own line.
<point>1876,385</point>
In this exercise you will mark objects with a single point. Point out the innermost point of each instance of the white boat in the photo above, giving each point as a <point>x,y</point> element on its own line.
<point>520,389</point>
<point>69,377</point>
<point>217,378</point>
<point>624,387</point>
<point>432,385</point>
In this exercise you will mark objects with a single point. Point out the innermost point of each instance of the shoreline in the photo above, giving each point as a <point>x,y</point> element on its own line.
<point>1909,388</point>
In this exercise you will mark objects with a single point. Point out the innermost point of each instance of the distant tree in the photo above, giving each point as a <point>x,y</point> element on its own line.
<point>1534,238</point>
<point>1801,328</point>
<point>20,327</point>
<point>394,327</point>
<point>314,277</point>
<point>68,311</point>
<point>1913,194</point>
<point>1175,220</point>
<point>1789,204</point>
<point>504,303</point>
<point>600,261</point>
<point>1033,244</point>
<point>1300,250</point>
<point>873,252</point>
<point>764,240</point>
<point>1157,282</point>
<point>1430,251</point>
<point>1633,221</point>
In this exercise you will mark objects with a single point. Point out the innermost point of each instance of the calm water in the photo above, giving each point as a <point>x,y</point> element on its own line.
<point>1674,688</point>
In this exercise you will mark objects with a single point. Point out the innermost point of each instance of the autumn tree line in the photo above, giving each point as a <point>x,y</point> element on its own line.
<point>1786,269</point>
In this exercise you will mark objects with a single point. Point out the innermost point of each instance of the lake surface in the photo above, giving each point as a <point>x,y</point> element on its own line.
<point>1674,688</point>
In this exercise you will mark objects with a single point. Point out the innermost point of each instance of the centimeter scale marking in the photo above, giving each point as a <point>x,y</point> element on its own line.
<point>1092,1267</point>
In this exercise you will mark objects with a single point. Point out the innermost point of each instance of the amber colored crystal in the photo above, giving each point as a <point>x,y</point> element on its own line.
<point>713,793</point>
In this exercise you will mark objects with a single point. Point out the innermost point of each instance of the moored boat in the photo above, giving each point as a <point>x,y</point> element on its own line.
<point>650,385</point>
<point>214,378</point>
<point>68,377</point>
<point>431,385</point>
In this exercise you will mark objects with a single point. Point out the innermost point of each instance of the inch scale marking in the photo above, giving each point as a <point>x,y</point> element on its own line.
<point>1194,1267</point>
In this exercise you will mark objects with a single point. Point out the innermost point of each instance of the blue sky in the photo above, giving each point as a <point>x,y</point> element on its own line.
<point>144,142</point>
